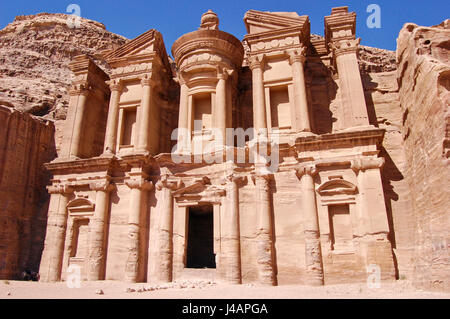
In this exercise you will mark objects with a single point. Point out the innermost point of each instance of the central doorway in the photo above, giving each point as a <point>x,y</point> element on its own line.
<point>200,247</point>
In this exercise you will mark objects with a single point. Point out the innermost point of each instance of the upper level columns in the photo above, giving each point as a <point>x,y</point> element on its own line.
<point>79,94</point>
<point>352,91</point>
<point>184,135</point>
<point>313,258</point>
<point>146,109</point>
<point>52,257</point>
<point>112,123</point>
<point>340,37</point>
<point>221,107</point>
<point>297,60</point>
<point>259,101</point>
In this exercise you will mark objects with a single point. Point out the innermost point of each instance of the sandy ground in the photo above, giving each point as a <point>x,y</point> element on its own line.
<point>208,290</point>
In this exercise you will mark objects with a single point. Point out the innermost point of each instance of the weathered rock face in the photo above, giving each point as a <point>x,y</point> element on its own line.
<point>25,145</point>
<point>424,83</point>
<point>35,52</point>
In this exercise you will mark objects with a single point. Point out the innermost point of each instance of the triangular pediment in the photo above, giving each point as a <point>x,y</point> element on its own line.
<point>260,21</point>
<point>142,45</point>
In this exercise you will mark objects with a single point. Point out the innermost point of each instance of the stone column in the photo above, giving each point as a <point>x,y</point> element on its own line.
<point>352,91</point>
<point>266,267</point>
<point>259,100</point>
<point>183,119</point>
<point>165,229</point>
<point>76,142</point>
<point>52,256</point>
<point>112,124</point>
<point>231,240</point>
<point>297,60</point>
<point>313,257</point>
<point>371,236</point>
<point>97,225</point>
<point>139,189</point>
<point>221,108</point>
<point>372,209</point>
<point>144,115</point>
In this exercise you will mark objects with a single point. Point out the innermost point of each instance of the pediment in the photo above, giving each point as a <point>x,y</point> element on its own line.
<point>337,186</point>
<point>80,205</point>
<point>144,44</point>
<point>260,22</point>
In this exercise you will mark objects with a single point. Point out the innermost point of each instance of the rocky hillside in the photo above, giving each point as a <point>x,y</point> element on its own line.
<point>35,52</point>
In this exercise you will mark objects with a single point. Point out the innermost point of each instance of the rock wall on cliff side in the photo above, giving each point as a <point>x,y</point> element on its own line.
<point>25,145</point>
<point>423,56</point>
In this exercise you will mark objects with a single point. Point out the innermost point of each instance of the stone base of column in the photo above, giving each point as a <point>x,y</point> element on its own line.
<point>265,261</point>
<point>313,259</point>
<point>165,252</point>
<point>132,263</point>
<point>231,261</point>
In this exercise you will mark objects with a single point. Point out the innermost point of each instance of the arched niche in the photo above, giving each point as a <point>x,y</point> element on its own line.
<point>338,215</point>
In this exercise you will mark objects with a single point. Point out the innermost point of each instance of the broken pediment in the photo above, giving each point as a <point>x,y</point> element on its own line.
<point>260,22</point>
<point>143,46</point>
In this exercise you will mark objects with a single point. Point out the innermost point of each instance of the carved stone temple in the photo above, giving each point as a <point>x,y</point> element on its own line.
<point>123,207</point>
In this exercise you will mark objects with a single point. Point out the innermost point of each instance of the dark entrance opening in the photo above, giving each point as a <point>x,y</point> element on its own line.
<point>200,248</point>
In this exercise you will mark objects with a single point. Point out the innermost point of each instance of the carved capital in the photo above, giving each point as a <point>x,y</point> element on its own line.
<point>139,183</point>
<point>60,189</point>
<point>256,62</point>
<point>345,46</point>
<point>310,170</point>
<point>297,55</point>
<point>224,74</point>
<point>80,88</point>
<point>147,80</point>
<point>115,85</point>
<point>101,186</point>
<point>166,182</point>
<point>233,178</point>
<point>262,180</point>
<point>362,164</point>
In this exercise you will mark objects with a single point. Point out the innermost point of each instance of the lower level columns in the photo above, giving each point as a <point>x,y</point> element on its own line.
<point>165,229</point>
<point>231,257</point>
<point>313,257</point>
<point>139,190</point>
<point>265,252</point>
<point>52,256</point>
<point>97,225</point>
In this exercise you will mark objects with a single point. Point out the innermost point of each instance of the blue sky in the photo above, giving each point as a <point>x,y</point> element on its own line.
<point>174,18</point>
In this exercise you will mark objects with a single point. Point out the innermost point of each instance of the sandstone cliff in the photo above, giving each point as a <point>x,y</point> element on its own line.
<point>424,83</point>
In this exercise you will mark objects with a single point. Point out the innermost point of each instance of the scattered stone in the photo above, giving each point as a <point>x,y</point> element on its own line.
<point>99,292</point>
